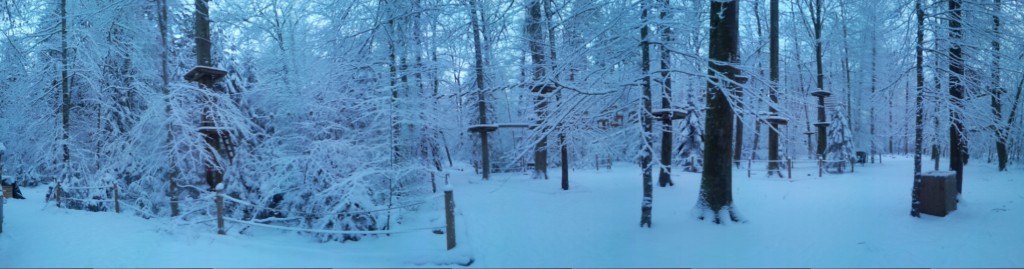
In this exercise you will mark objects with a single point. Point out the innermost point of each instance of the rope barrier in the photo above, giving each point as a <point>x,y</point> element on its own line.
<point>85,188</point>
<point>329,231</point>
<point>86,200</point>
<point>307,214</point>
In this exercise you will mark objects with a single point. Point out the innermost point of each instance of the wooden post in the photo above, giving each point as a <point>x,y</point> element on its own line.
<point>220,213</point>
<point>788,168</point>
<point>117,201</point>
<point>852,163</point>
<point>449,215</point>
<point>433,182</point>
<point>748,167</point>
<point>821,166</point>
<point>597,163</point>
<point>56,194</point>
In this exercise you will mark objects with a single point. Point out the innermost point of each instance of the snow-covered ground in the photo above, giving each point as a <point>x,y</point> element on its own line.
<point>849,220</point>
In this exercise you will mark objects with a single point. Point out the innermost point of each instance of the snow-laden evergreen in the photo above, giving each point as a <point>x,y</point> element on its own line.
<point>691,145</point>
<point>839,152</point>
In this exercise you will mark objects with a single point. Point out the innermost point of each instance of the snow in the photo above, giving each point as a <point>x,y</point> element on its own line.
<point>2,147</point>
<point>839,220</point>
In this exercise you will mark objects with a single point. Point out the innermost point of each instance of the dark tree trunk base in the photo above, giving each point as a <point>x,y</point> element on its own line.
<point>717,217</point>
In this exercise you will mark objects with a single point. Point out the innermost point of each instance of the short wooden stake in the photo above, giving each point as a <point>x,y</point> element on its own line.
<point>449,216</point>
<point>56,194</point>
<point>748,167</point>
<point>117,201</point>
<point>789,168</point>
<point>220,213</point>
<point>433,182</point>
<point>821,166</point>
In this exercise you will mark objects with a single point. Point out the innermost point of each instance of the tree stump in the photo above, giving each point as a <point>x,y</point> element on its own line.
<point>938,193</point>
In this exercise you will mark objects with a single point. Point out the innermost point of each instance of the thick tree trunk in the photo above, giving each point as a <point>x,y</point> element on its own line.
<point>647,121</point>
<point>773,74</point>
<point>539,87</point>
<point>485,148</point>
<point>172,169</point>
<point>871,114</point>
<point>738,148</point>
<point>918,111</point>
<point>716,180</point>
<point>956,92</point>
<point>214,173</point>
<point>818,24</point>
<point>563,148</point>
<point>997,90</point>
<point>65,108</point>
<point>665,173</point>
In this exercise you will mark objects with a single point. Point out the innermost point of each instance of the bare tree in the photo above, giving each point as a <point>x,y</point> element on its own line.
<point>647,120</point>
<point>773,74</point>
<point>716,180</point>
<point>918,111</point>
<point>478,63</point>
<point>539,87</point>
<point>956,92</point>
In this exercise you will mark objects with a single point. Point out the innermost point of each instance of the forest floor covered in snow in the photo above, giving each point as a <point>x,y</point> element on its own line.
<point>846,220</point>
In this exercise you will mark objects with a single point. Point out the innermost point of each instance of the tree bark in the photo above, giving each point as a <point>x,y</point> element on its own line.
<point>172,169</point>
<point>646,118</point>
<point>918,111</point>
<point>65,90</point>
<point>665,173</point>
<point>997,90</point>
<point>956,92</point>
<point>716,180</point>
<point>485,149</point>
<point>539,87</point>
<point>773,75</point>
<point>563,148</point>
<point>214,174</point>
<point>818,18</point>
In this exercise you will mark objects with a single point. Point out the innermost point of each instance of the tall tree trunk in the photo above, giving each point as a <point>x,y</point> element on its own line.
<point>478,57</point>
<point>773,75</point>
<point>647,120</point>
<point>760,69</point>
<point>665,173</point>
<point>65,91</point>
<point>539,87</point>
<point>997,90</point>
<point>214,174</point>
<point>871,114</point>
<point>716,180</point>
<point>563,148</point>
<point>918,111</point>
<point>172,169</point>
<point>847,71</point>
<point>819,20</point>
<point>956,92</point>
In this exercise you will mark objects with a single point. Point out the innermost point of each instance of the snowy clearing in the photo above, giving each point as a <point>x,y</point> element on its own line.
<point>858,220</point>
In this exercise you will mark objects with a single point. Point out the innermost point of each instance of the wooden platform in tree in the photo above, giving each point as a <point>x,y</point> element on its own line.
<point>777,120</point>
<point>672,113</point>
<point>483,128</point>
<point>203,73</point>
<point>821,94</point>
